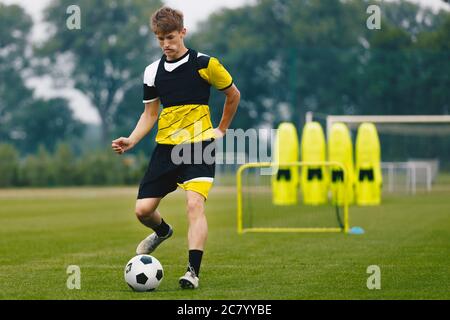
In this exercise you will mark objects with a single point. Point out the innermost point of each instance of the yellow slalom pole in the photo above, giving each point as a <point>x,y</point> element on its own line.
<point>239,199</point>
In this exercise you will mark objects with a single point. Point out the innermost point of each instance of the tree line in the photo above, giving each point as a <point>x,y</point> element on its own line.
<point>63,168</point>
<point>287,57</point>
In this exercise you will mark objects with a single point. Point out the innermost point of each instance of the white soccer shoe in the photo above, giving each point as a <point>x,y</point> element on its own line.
<point>189,281</point>
<point>149,244</point>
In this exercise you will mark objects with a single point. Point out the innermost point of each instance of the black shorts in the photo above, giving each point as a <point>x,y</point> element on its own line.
<point>189,166</point>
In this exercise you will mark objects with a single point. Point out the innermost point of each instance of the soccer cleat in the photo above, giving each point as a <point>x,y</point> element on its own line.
<point>189,281</point>
<point>149,244</point>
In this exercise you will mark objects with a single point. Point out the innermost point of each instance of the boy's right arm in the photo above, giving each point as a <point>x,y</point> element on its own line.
<point>143,127</point>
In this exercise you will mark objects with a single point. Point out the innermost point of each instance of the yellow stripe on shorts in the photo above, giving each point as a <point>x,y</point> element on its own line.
<point>199,185</point>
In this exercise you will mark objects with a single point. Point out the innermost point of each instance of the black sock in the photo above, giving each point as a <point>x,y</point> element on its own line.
<point>163,229</point>
<point>195,259</point>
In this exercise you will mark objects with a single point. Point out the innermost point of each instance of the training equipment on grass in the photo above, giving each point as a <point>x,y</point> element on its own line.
<point>368,166</point>
<point>356,230</point>
<point>414,148</point>
<point>314,179</point>
<point>286,178</point>
<point>340,149</point>
<point>257,213</point>
<point>143,273</point>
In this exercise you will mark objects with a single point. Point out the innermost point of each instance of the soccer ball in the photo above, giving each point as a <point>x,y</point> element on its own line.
<point>143,273</point>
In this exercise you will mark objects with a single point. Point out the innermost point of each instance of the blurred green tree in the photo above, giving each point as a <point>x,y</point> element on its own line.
<point>64,165</point>
<point>289,57</point>
<point>286,56</point>
<point>25,120</point>
<point>436,67</point>
<point>9,165</point>
<point>107,56</point>
<point>37,170</point>
<point>45,122</point>
<point>102,167</point>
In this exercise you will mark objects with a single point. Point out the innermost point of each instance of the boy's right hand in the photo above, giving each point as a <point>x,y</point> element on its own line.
<point>122,144</point>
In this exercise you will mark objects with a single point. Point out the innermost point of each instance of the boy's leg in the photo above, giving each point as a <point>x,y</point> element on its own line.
<point>198,226</point>
<point>197,179</point>
<point>148,215</point>
<point>197,235</point>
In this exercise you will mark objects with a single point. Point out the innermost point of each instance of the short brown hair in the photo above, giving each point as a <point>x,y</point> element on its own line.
<point>166,20</point>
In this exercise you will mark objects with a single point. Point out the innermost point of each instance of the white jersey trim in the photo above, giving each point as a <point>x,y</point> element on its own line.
<point>148,101</point>
<point>169,67</point>
<point>150,74</point>
<point>150,71</point>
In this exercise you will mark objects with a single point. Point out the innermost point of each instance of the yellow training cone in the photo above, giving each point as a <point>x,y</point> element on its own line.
<point>285,179</point>
<point>340,149</point>
<point>314,177</point>
<point>368,166</point>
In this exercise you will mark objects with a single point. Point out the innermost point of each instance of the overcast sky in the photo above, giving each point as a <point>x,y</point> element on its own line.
<point>194,11</point>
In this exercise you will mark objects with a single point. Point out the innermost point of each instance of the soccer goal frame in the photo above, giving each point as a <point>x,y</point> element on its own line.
<point>411,168</point>
<point>273,165</point>
<point>385,119</point>
<point>391,119</point>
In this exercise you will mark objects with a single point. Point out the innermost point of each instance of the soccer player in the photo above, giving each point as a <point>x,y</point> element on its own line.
<point>181,82</point>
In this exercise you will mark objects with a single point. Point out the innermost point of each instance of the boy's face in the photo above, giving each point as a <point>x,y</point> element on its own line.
<point>172,43</point>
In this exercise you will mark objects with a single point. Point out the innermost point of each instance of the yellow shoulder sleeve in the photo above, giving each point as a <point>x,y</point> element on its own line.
<point>216,74</point>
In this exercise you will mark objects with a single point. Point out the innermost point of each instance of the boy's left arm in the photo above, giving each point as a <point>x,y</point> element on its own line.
<point>232,98</point>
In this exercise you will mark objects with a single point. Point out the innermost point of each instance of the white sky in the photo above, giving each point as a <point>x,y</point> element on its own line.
<point>194,11</point>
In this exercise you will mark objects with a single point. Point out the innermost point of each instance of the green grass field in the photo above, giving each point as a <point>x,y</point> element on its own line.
<point>44,231</point>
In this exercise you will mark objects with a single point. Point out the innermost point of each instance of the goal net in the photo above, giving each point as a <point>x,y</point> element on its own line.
<point>258,212</point>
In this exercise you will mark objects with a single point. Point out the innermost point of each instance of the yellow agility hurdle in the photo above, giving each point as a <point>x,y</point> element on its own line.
<point>273,165</point>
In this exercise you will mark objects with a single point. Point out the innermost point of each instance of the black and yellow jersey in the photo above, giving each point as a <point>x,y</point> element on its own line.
<point>183,87</point>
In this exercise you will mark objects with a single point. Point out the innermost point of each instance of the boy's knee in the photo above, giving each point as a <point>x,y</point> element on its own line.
<point>143,212</point>
<point>195,205</point>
